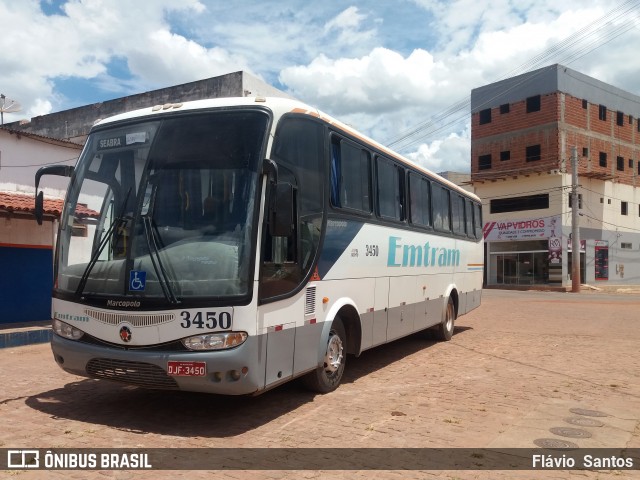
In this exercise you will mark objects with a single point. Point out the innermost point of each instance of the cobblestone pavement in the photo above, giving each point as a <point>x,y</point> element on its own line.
<point>513,370</point>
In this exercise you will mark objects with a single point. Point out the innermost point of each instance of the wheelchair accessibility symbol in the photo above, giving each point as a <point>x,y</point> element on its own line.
<point>137,280</point>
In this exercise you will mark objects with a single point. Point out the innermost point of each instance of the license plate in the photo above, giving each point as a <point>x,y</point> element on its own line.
<point>187,369</point>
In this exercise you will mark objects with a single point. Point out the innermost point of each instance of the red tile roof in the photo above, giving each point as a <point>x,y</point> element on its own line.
<point>20,202</point>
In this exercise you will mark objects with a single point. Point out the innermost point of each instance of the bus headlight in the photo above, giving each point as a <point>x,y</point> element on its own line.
<point>215,341</point>
<point>67,331</point>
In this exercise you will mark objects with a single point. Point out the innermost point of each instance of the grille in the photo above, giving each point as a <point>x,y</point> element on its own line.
<point>132,373</point>
<point>136,320</point>
<point>310,301</point>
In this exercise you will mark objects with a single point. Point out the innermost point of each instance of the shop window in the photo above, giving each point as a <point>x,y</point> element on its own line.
<point>484,162</point>
<point>533,104</point>
<point>603,159</point>
<point>533,153</point>
<point>518,204</point>
<point>505,155</point>
<point>485,116</point>
<point>504,108</point>
<point>624,208</point>
<point>602,112</point>
<point>620,164</point>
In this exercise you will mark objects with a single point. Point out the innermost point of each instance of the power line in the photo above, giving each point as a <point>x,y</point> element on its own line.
<point>596,34</point>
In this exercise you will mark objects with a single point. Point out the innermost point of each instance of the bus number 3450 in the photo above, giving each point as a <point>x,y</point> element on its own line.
<point>210,320</point>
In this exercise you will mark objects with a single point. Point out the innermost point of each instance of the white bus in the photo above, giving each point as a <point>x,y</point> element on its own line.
<point>231,245</point>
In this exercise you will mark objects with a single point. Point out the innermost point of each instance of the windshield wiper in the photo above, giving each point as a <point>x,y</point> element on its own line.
<point>154,255</point>
<point>117,222</point>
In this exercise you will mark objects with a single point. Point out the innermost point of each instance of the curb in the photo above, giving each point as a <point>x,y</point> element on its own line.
<point>21,337</point>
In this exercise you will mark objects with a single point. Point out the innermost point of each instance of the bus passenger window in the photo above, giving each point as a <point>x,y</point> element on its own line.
<point>441,208</point>
<point>350,176</point>
<point>420,200</point>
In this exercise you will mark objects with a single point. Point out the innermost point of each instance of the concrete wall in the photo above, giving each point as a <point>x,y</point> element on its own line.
<point>74,124</point>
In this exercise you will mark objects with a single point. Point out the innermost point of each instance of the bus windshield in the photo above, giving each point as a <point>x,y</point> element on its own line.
<point>164,210</point>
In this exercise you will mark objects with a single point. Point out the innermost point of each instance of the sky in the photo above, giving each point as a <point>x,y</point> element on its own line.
<point>399,71</point>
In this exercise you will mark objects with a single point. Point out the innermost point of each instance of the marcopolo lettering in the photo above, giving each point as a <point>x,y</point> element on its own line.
<point>407,255</point>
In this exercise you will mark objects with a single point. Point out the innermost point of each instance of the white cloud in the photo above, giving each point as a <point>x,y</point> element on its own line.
<point>336,57</point>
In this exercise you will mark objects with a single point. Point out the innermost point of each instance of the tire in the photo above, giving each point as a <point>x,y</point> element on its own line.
<point>327,377</point>
<point>444,331</point>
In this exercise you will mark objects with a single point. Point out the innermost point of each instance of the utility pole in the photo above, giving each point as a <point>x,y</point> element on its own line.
<point>575,228</point>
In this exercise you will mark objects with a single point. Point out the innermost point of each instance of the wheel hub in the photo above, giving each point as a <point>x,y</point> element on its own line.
<point>333,357</point>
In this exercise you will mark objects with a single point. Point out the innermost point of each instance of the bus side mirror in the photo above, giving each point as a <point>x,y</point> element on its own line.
<point>60,170</point>
<point>281,218</point>
<point>39,210</point>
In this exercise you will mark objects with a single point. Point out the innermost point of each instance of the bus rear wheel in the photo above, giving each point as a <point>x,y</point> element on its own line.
<point>327,377</point>
<point>444,331</point>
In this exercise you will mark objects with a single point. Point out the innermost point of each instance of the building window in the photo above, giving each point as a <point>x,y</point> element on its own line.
<point>619,118</point>
<point>79,230</point>
<point>630,119</point>
<point>603,159</point>
<point>533,153</point>
<point>584,104</point>
<point>602,112</point>
<point>519,204</point>
<point>585,151</point>
<point>624,208</point>
<point>620,164</point>
<point>533,104</point>
<point>485,116</point>
<point>504,108</point>
<point>626,245</point>
<point>484,162</point>
<point>579,201</point>
<point>631,164</point>
<point>505,155</point>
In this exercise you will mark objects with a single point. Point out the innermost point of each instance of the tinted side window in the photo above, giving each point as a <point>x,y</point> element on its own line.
<point>469,217</point>
<point>457,214</point>
<point>350,176</point>
<point>477,220</point>
<point>419,200</point>
<point>441,208</point>
<point>390,189</point>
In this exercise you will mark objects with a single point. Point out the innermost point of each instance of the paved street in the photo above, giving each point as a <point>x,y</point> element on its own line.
<point>513,370</point>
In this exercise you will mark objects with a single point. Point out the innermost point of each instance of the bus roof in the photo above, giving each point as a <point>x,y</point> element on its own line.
<point>280,106</point>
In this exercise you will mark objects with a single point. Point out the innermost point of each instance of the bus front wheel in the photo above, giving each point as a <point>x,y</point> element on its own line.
<point>326,378</point>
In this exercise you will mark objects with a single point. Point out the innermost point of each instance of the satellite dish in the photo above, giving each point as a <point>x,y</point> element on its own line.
<point>7,106</point>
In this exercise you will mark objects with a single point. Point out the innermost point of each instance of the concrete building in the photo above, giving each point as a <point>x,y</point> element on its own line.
<point>523,131</point>
<point>74,124</point>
